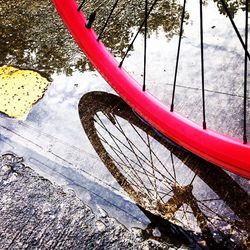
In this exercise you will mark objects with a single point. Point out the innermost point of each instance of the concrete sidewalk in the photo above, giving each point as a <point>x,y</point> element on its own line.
<point>35,214</point>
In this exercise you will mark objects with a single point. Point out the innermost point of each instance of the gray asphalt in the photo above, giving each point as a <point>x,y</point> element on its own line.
<point>36,214</point>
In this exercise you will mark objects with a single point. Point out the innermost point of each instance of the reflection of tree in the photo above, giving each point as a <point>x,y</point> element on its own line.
<point>32,36</point>
<point>232,5</point>
<point>130,14</point>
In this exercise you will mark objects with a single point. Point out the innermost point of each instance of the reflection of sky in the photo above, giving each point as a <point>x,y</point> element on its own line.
<point>220,42</point>
<point>224,68</point>
<point>53,142</point>
<point>54,125</point>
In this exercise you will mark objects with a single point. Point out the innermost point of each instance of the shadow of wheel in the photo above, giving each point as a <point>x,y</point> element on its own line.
<point>185,190</point>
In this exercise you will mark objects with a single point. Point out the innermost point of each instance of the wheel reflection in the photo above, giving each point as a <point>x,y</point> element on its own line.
<point>163,179</point>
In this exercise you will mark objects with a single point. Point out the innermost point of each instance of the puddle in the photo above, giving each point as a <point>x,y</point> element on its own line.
<point>171,190</point>
<point>145,181</point>
<point>162,178</point>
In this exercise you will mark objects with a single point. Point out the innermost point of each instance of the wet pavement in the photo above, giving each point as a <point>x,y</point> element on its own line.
<point>35,214</point>
<point>82,137</point>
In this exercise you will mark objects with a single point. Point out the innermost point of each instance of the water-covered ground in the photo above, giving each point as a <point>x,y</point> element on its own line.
<point>84,138</point>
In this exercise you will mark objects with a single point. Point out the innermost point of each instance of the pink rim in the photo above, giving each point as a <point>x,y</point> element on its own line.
<point>221,150</point>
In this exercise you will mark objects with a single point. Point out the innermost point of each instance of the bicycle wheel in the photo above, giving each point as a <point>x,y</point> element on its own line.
<point>159,176</point>
<point>219,149</point>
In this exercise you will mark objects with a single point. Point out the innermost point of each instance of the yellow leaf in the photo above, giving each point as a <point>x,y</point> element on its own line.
<point>20,90</point>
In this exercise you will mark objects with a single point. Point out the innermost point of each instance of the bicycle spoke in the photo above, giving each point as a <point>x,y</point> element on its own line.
<point>107,21</point>
<point>187,212</point>
<point>178,55</point>
<point>184,210</point>
<point>133,151</point>
<point>210,210</point>
<point>145,45</point>
<point>167,194</point>
<point>216,199</point>
<point>235,27</point>
<point>152,164</point>
<point>81,5</point>
<point>176,185</point>
<point>172,161</point>
<point>114,150</point>
<point>154,154</point>
<point>193,179</point>
<point>121,151</point>
<point>187,220</point>
<point>202,68</point>
<point>135,184</point>
<point>131,44</point>
<point>245,78</point>
<point>148,173</point>
<point>114,137</point>
<point>121,131</point>
<point>142,188</point>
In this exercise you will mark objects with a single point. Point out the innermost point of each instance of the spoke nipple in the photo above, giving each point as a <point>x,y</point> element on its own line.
<point>172,108</point>
<point>204,125</point>
<point>80,6</point>
<point>91,20</point>
<point>244,139</point>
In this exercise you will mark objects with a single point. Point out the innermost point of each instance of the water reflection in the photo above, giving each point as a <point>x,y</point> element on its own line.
<point>33,36</point>
<point>128,15</point>
<point>163,179</point>
<point>232,5</point>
